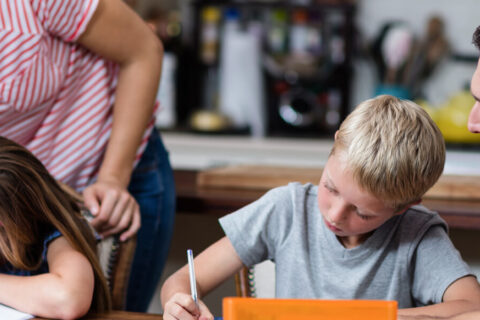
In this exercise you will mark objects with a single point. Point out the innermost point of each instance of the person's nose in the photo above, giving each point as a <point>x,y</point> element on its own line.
<point>474,118</point>
<point>337,213</point>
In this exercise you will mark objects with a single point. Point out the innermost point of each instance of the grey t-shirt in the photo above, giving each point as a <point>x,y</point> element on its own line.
<point>410,258</point>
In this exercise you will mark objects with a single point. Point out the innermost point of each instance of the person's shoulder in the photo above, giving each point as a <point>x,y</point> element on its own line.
<point>418,219</point>
<point>421,213</point>
<point>307,188</point>
<point>289,195</point>
<point>294,188</point>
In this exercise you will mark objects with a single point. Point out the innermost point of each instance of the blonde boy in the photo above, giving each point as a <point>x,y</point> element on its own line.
<point>358,234</point>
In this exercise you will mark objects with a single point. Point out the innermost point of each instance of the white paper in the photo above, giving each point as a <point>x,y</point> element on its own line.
<point>7,313</point>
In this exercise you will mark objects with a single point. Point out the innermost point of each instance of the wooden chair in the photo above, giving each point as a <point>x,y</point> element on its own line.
<point>257,281</point>
<point>116,260</point>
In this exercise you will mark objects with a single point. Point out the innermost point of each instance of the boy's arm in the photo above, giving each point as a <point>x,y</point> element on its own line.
<point>64,293</point>
<point>213,266</point>
<point>461,296</point>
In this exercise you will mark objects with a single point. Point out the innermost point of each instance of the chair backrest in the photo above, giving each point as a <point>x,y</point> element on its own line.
<point>257,281</point>
<point>116,260</point>
<point>115,257</point>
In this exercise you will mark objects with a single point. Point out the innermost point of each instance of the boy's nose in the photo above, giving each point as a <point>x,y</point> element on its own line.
<point>337,213</point>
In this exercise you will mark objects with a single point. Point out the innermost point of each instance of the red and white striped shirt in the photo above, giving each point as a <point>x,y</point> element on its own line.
<point>56,97</point>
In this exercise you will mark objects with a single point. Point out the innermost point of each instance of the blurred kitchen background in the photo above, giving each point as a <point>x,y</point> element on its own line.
<point>247,72</point>
<point>296,68</point>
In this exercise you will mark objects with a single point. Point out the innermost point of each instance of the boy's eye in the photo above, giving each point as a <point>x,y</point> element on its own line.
<point>330,189</point>
<point>362,216</point>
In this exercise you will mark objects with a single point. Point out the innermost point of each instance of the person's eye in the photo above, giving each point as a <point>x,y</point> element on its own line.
<point>330,189</point>
<point>363,217</point>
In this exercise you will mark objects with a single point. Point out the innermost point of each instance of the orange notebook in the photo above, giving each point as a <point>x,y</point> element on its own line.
<point>306,309</point>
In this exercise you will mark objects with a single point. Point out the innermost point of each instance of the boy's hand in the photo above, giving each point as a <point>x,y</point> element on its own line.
<point>181,306</point>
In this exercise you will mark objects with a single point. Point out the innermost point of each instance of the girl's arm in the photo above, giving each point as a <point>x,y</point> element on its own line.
<point>118,34</point>
<point>213,266</point>
<point>461,296</point>
<point>64,293</point>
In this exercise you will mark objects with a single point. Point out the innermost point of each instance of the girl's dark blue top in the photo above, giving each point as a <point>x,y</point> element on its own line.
<point>9,269</point>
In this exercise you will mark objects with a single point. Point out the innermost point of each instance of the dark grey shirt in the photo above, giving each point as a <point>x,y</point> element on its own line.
<point>410,258</point>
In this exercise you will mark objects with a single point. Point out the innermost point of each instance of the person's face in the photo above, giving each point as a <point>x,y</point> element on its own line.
<point>348,211</point>
<point>474,117</point>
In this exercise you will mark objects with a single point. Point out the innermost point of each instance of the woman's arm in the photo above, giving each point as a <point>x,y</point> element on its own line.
<point>64,293</point>
<point>461,296</point>
<point>118,34</point>
<point>212,267</point>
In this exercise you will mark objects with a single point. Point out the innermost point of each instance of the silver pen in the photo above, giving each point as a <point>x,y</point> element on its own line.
<point>191,272</point>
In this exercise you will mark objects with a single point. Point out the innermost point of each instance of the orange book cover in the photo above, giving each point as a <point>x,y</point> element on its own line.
<point>307,309</point>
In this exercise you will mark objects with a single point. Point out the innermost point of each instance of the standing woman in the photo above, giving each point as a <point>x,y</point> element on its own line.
<point>78,80</point>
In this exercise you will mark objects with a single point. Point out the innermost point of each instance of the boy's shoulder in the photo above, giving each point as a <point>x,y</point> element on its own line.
<point>422,213</point>
<point>293,191</point>
<point>307,188</point>
<point>418,219</point>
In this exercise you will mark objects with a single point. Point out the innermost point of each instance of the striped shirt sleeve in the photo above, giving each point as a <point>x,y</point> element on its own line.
<point>65,19</point>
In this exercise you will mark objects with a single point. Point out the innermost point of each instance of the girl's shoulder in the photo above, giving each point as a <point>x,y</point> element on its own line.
<point>48,239</point>
<point>7,268</point>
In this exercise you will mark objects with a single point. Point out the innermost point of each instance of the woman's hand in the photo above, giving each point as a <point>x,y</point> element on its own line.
<point>116,33</point>
<point>181,306</point>
<point>114,209</point>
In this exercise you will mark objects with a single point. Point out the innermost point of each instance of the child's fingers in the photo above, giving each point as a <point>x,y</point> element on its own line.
<point>205,314</point>
<point>181,306</point>
<point>175,311</point>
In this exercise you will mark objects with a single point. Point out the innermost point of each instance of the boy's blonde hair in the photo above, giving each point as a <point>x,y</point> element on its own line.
<point>392,148</point>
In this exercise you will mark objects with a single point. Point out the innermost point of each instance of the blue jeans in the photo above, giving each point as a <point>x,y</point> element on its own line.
<point>153,187</point>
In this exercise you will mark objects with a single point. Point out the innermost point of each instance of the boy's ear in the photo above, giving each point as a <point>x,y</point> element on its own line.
<point>335,137</point>
<point>411,204</point>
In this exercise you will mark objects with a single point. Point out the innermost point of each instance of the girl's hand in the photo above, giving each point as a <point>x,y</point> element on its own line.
<point>181,306</point>
<point>114,209</point>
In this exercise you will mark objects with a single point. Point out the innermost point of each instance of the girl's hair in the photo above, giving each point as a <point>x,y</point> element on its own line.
<point>33,205</point>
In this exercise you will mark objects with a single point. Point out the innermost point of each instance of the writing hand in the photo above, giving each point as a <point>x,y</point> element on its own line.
<point>181,306</point>
<point>114,209</point>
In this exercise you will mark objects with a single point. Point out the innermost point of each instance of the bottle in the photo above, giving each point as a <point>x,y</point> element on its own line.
<point>277,32</point>
<point>210,35</point>
<point>207,117</point>
<point>336,22</point>
<point>299,33</point>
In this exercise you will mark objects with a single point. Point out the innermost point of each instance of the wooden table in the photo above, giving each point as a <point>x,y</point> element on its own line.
<point>192,197</point>
<point>119,315</point>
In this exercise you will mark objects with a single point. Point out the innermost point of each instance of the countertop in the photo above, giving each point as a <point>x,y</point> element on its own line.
<point>198,152</point>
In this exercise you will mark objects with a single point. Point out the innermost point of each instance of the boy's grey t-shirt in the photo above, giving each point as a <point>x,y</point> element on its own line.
<point>410,258</point>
